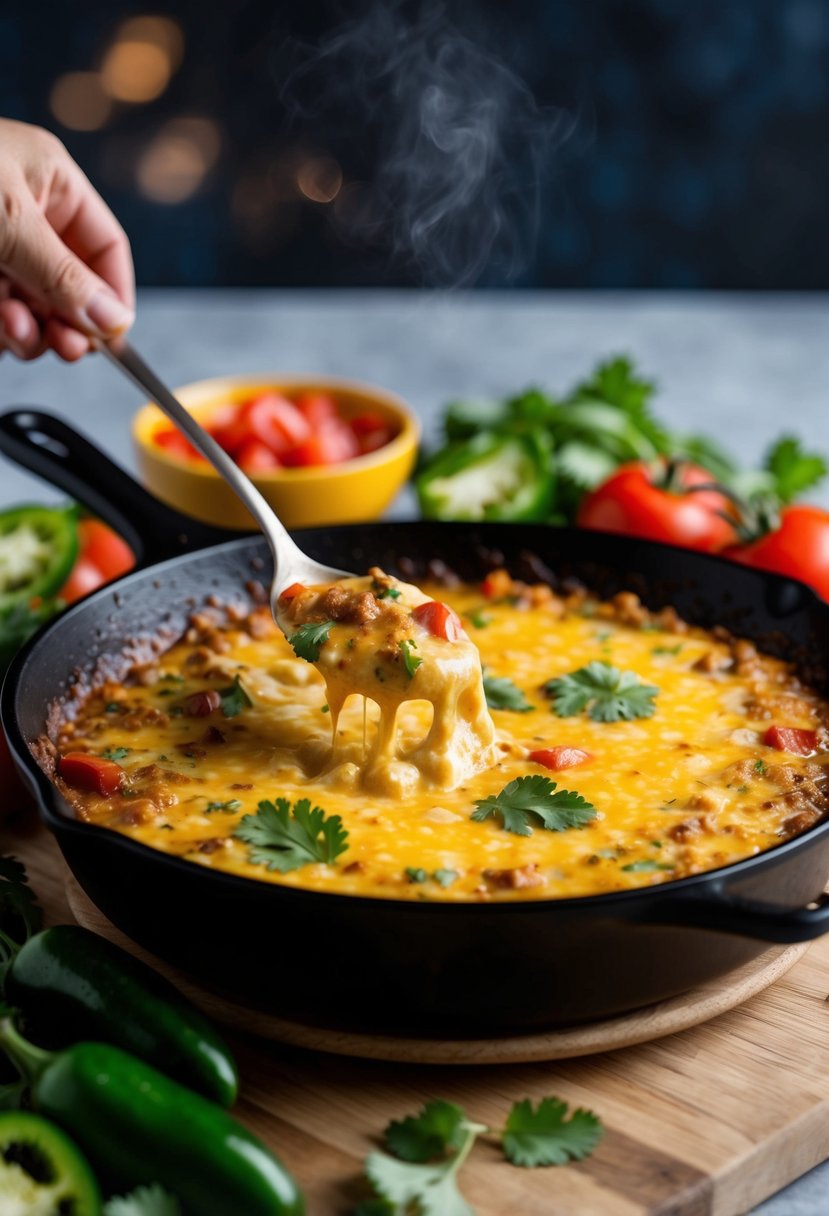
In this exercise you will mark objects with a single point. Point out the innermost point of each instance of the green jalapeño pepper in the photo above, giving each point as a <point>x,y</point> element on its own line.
<point>139,1127</point>
<point>489,477</point>
<point>42,1171</point>
<point>38,547</point>
<point>70,984</point>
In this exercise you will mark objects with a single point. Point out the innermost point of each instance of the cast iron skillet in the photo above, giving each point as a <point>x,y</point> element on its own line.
<point>402,966</point>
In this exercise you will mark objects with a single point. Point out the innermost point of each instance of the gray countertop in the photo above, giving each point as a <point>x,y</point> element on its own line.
<point>743,368</point>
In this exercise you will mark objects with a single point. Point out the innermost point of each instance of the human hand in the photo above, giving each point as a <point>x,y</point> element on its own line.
<point>65,265</point>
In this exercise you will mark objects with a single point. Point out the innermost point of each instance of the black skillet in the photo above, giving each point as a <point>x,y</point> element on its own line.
<point>400,966</point>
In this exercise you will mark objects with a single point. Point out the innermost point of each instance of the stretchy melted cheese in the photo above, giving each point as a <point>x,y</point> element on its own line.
<point>378,648</point>
<point>690,788</point>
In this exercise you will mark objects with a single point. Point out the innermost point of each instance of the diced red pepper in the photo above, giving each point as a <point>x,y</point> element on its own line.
<point>94,773</point>
<point>371,430</point>
<point>439,619</point>
<point>791,739</point>
<point>497,585</point>
<point>560,757</point>
<point>291,592</point>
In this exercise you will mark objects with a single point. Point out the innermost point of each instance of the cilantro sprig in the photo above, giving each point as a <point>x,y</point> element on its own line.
<point>308,640</point>
<point>530,802</point>
<point>608,694</point>
<point>419,1172</point>
<point>410,661</point>
<point>503,693</point>
<point>285,838</point>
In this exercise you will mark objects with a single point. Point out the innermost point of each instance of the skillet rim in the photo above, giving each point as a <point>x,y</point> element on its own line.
<point>50,801</point>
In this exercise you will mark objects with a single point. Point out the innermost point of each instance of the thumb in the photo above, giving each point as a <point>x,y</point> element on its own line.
<point>40,263</point>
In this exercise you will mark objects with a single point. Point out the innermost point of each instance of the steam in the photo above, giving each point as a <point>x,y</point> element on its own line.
<point>458,152</point>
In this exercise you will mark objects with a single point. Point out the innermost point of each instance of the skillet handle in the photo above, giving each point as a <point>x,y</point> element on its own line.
<point>746,917</point>
<point>53,450</point>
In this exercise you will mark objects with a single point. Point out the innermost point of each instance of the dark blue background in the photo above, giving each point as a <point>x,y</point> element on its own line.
<point>691,150</point>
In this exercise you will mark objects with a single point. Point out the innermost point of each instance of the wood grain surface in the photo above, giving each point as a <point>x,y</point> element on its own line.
<point>707,1122</point>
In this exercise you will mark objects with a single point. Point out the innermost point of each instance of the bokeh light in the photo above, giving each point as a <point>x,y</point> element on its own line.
<point>142,59</point>
<point>78,101</point>
<point>178,159</point>
<point>319,178</point>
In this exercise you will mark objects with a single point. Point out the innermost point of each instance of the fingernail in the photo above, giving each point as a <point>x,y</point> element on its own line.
<point>10,344</point>
<point>19,327</point>
<point>107,314</point>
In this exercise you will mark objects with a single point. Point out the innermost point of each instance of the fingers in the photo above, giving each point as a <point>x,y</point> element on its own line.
<point>67,343</point>
<point>92,232</point>
<point>20,333</point>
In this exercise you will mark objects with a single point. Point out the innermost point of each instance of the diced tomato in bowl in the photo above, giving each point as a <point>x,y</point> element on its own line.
<point>273,430</point>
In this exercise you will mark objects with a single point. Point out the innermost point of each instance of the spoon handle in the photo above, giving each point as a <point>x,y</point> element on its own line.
<point>286,555</point>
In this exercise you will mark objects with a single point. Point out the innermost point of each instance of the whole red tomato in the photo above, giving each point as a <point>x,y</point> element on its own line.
<point>653,501</point>
<point>798,547</point>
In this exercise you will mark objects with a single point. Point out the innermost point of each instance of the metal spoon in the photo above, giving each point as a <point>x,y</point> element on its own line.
<point>290,564</point>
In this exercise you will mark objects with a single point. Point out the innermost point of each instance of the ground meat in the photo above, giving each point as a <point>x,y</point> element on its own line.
<point>741,772</point>
<point>355,607</point>
<point>154,772</point>
<point>192,750</point>
<point>213,735</point>
<point>260,624</point>
<point>242,785</point>
<point>211,845</point>
<point>669,619</point>
<point>140,810</point>
<point>805,818</point>
<point>747,661</point>
<point>515,879</point>
<point>630,610</point>
<point>698,826</point>
<point>711,662</point>
<point>143,715</point>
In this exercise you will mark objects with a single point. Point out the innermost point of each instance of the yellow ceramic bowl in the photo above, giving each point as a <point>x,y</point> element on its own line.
<point>357,489</point>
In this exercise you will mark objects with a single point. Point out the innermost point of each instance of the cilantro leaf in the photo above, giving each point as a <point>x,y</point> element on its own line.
<point>529,802</point>
<point>234,699</point>
<point>410,662</point>
<point>284,839</point>
<point>233,804</point>
<point>377,1207</point>
<point>416,874</point>
<point>387,593</point>
<point>478,618</point>
<point>545,1136</point>
<point>436,1130</point>
<point>115,753</point>
<point>433,1188</point>
<point>445,877</point>
<point>646,865</point>
<point>608,694</point>
<point>793,470</point>
<point>502,693</point>
<point>144,1201</point>
<point>308,640</point>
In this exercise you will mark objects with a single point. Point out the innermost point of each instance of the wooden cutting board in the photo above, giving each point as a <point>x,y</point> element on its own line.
<point>707,1122</point>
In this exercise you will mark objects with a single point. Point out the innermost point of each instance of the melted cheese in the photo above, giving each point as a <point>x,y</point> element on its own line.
<point>689,789</point>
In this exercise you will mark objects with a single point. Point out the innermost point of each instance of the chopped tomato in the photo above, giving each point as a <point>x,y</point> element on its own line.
<point>84,579</point>
<point>330,444</point>
<point>104,548</point>
<point>560,757</point>
<point>86,772</point>
<point>256,457</point>
<point>439,620</point>
<point>316,408</point>
<point>291,592</point>
<point>791,739</point>
<point>274,421</point>
<point>371,431</point>
<point>178,445</point>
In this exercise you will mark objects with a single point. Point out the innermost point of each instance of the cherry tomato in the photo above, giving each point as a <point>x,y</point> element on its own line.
<point>330,444</point>
<point>438,619</point>
<point>274,421</point>
<point>256,457</point>
<point>104,548</point>
<point>632,501</point>
<point>174,443</point>
<point>94,773</point>
<point>798,548</point>
<point>316,408</point>
<point>791,739</point>
<point>559,757</point>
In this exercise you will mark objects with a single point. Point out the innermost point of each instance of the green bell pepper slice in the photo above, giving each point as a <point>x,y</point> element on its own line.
<point>41,1170</point>
<point>490,477</point>
<point>38,548</point>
